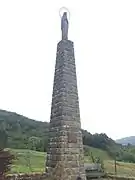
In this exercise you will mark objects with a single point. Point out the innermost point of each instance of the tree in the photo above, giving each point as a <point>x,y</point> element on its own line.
<point>28,160</point>
<point>3,138</point>
<point>92,157</point>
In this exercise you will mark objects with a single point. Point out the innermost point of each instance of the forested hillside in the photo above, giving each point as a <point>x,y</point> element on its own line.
<point>19,132</point>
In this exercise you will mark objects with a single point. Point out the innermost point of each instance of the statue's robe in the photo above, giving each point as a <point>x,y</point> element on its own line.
<point>64,27</point>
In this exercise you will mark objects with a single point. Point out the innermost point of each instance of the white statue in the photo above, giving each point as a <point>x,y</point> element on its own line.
<point>64,26</point>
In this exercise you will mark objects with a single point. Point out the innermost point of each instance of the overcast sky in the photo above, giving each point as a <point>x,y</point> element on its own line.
<point>104,38</point>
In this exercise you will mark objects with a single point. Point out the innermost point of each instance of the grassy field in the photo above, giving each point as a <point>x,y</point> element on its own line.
<point>32,161</point>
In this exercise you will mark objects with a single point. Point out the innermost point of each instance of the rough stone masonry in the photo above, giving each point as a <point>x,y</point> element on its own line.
<point>65,137</point>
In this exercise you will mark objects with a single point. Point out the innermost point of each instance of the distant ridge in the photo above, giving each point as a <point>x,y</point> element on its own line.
<point>126,140</point>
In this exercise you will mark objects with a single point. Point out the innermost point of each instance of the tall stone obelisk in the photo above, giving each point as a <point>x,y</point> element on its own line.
<point>65,136</point>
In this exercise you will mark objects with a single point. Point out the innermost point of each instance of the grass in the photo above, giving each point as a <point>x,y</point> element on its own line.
<point>123,169</point>
<point>28,161</point>
<point>32,161</point>
<point>97,153</point>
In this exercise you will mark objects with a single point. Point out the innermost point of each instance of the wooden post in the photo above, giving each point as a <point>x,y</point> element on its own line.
<point>115,164</point>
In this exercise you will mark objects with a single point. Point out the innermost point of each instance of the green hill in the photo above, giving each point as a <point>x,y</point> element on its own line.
<point>20,132</point>
<point>17,131</point>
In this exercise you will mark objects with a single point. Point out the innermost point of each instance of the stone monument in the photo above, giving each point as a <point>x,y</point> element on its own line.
<point>65,144</point>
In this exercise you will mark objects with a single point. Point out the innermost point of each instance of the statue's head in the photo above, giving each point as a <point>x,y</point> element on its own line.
<point>65,14</point>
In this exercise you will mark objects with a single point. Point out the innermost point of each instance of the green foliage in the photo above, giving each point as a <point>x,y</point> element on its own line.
<point>101,141</point>
<point>96,152</point>
<point>37,160</point>
<point>28,161</point>
<point>21,132</point>
<point>3,138</point>
<point>17,131</point>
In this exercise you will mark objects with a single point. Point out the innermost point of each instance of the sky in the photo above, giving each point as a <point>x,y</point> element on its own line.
<point>103,33</point>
